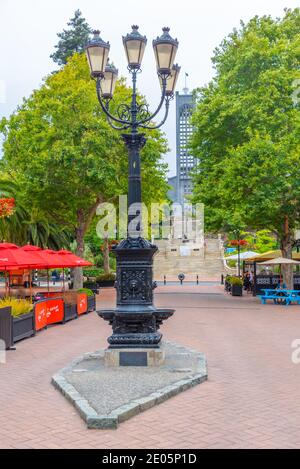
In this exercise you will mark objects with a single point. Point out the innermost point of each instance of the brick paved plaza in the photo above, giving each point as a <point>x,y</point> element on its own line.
<point>251,398</point>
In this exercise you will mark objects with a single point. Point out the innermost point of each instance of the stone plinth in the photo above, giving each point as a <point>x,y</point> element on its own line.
<point>136,357</point>
<point>106,396</point>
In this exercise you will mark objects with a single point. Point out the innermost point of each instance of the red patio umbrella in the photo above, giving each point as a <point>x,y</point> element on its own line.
<point>72,259</point>
<point>50,258</point>
<point>12,257</point>
<point>37,252</point>
<point>8,245</point>
<point>45,261</point>
<point>45,257</point>
<point>56,261</point>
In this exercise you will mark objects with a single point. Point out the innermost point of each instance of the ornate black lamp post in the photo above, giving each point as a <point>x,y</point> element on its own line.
<point>135,321</point>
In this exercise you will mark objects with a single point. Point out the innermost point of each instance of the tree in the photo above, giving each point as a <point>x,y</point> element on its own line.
<point>261,241</point>
<point>247,131</point>
<point>72,40</point>
<point>29,225</point>
<point>99,247</point>
<point>66,157</point>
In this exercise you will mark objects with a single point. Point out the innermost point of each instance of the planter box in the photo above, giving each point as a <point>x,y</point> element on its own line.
<point>91,303</point>
<point>70,312</point>
<point>54,310</point>
<point>106,283</point>
<point>236,290</point>
<point>40,314</point>
<point>82,303</point>
<point>69,297</point>
<point>92,286</point>
<point>6,327</point>
<point>14,329</point>
<point>23,326</point>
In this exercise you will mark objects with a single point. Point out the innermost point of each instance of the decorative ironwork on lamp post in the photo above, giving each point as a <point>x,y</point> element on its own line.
<point>135,320</point>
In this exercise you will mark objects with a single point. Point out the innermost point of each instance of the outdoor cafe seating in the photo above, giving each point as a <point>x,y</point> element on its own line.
<point>265,277</point>
<point>17,264</point>
<point>280,296</point>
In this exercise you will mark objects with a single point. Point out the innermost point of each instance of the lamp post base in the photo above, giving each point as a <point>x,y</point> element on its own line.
<point>135,329</point>
<point>135,321</point>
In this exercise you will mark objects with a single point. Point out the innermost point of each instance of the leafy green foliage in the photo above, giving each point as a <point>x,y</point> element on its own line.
<point>60,146</point>
<point>247,130</point>
<point>106,277</point>
<point>92,271</point>
<point>260,241</point>
<point>87,291</point>
<point>234,280</point>
<point>18,306</point>
<point>64,154</point>
<point>29,225</point>
<point>66,159</point>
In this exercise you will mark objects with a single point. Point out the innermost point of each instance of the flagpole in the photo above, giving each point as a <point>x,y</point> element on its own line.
<point>185,89</point>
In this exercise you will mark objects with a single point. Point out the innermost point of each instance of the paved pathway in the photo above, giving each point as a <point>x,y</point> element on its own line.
<point>250,400</point>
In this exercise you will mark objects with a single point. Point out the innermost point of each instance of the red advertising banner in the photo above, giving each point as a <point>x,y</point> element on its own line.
<point>82,304</point>
<point>40,312</point>
<point>55,310</point>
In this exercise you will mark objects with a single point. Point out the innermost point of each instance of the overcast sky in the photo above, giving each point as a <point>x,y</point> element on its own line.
<point>28,31</point>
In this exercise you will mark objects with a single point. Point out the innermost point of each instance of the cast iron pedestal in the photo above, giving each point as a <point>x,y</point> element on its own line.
<point>135,321</point>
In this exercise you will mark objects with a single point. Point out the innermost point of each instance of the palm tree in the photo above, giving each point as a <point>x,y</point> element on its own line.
<point>32,227</point>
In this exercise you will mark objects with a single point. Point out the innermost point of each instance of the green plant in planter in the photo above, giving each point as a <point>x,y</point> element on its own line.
<point>106,277</point>
<point>92,272</point>
<point>87,291</point>
<point>18,307</point>
<point>236,281</point>
<point>88,283</point>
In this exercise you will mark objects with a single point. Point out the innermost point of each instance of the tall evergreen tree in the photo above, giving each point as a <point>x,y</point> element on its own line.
<point>72,40</point>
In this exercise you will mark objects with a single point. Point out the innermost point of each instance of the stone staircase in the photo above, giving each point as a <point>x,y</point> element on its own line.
<point>204,260</point>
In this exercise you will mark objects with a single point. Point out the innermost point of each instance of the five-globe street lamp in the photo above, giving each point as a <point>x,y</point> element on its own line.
<point>135,320</point>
